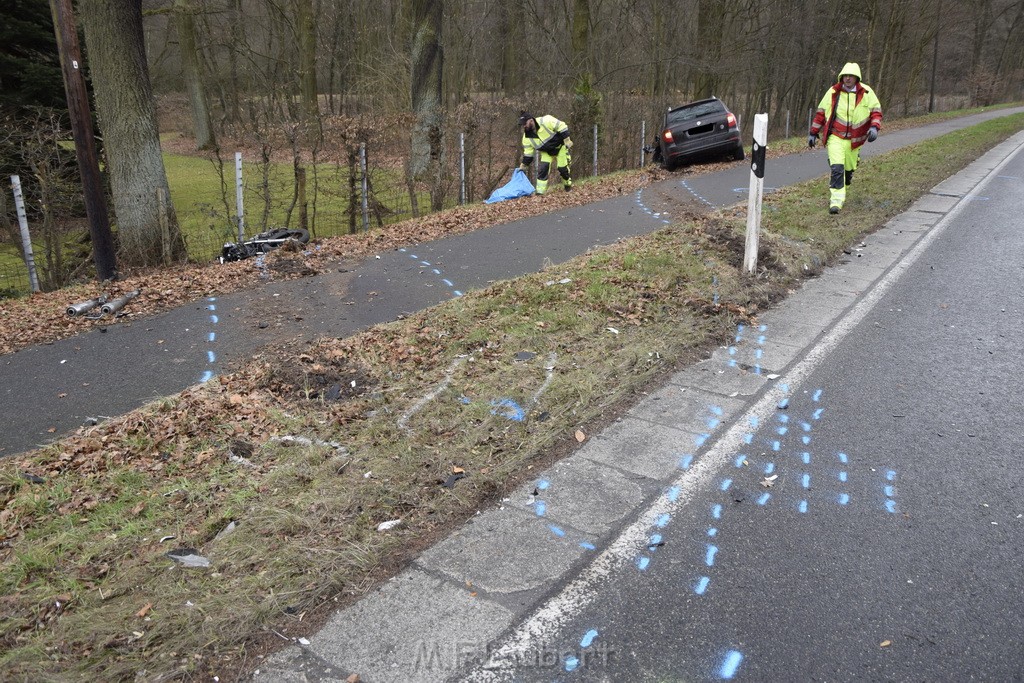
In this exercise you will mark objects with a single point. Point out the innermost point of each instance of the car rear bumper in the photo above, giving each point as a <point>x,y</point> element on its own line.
<point>719,143</point>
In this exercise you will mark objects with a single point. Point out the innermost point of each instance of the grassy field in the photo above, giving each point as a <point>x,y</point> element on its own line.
<point>88,591</point>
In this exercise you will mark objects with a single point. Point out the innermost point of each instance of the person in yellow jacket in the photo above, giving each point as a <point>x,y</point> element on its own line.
<point>850,115</point>
<point>549,137</point>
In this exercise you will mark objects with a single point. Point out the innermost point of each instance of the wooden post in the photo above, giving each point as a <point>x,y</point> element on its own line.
<point>757,155</point>
<point>239,206</point>
<point>85,144</point>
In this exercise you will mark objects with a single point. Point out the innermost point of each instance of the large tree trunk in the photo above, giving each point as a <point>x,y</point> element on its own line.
<point>192,74</point>
<point>124,103</point>
<point>427,158</point>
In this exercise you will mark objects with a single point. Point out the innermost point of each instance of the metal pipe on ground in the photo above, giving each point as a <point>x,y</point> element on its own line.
<point>84,307</point>
<point>119,303</point>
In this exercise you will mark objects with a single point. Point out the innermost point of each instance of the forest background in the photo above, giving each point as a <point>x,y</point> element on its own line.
<point>392,109</point>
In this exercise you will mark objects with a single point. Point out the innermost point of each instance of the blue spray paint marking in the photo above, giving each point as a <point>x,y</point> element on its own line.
<point>784,419</point>
<point>726,483</point>
<point>642,563</point>
<point>818,412</point>
<point>803,506</point>
<point>587,545</point>
<point>654,542</point>
<point>889,491</point>
<point>716,410</point>
<point>816,396</point>
<point>754,421</point>
<point>447,282</point>
<point>211,357</point>
<point>702,585</point>
<point>588,638</point>
<point>436,271</point>
<point>764,498</point>
<point>663,520</point>
<point>891,475</point>
<point>699,441</point>
<point>207,376</point>
<point>807,481</point>
<point>758,354</point>
<point>748,438</point>
<point>716,511</point>
<point>425,263</point>
<point>776,446</point>
<point>843,458</point>
<point>844,499</point>
<point>571,663</point>
<point>781,431</point>
<point>540,508</point>
<point>457,293</point>
<point>842,476</point>
<point>673,494</point>
<point>712,532</point>
<point>890,506</point>
<point>740,459</point>
<point>762,328</point>
<point>709,559</point>
<point>784,403</point>
<point>806,439</point>
<point>214,319</point>
<point>557,531</point>
<point>731,664</point>
<point>806,426</point>
<point>508,408</point>
<point>806,457</point>
<point>543,484</point>
<point>212,337</point>
<point>769,468</point>
<point>713,422</point>
<point>684,462</point>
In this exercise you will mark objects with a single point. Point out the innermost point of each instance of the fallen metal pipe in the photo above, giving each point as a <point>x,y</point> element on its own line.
<point>119,303</point>
<point>85,306</point>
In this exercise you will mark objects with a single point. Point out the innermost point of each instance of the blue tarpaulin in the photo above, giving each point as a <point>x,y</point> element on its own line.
<point>519,186</point>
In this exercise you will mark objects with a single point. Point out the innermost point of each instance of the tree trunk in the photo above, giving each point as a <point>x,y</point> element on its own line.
<point>306,29</point>
<point>427,57</point>
<point>192,74</point>
<point>124,103</point>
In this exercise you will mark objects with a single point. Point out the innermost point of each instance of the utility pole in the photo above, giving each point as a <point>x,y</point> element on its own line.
<point>85,144</point>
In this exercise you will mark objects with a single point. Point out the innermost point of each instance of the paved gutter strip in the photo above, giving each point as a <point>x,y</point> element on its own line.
<point>442,616</point>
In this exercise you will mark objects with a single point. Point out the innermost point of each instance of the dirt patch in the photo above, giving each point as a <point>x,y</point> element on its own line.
<point>322,378</point>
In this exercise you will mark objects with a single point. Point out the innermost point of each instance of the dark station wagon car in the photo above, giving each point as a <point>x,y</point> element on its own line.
<point>698,130</point>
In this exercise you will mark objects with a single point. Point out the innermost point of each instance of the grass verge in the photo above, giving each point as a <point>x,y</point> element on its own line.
<point>281,474</point>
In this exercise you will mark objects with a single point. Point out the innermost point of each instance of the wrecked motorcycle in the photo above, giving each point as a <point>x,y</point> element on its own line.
<point>262,243</point>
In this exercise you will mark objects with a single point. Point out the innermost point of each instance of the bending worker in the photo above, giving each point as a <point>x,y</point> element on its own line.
<point>851,114</point>
<point>550,137</point>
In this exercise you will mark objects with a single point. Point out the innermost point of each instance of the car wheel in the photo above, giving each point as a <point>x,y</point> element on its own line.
<point>738,153</point>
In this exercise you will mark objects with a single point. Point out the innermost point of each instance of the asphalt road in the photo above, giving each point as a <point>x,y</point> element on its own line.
<point>50,390</point>
<point>888,545</point>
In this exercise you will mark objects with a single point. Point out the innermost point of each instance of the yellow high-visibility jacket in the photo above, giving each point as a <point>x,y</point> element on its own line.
<point>547,137</point>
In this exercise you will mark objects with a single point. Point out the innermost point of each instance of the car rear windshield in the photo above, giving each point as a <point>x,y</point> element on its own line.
<point>693,111</point>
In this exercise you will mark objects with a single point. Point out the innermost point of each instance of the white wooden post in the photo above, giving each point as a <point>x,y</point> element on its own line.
<point>757,155</point>
<point>595,150</point>
<point>26,239</point>
<point>239,206</point>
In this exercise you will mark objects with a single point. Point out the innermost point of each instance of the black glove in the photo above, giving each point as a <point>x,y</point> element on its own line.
<point>872,134</point>
<point>812,140</point>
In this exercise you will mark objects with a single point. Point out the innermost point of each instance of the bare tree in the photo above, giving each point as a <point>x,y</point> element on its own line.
<point>192,74</point>
<point>427,56</point>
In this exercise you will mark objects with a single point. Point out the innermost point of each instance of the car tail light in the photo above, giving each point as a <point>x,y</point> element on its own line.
<point>731,118</point>
<point>667,136</point>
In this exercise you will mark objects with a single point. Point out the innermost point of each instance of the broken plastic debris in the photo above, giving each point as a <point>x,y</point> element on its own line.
<point>772,376</point>
<point>303,641</point>
<point>580,436</point>
<point>885,643</point>
<point>391,524</point>
<point>167,538</point>
<point>525,355</point>
<point>226,531</point>
<point>612,330</point>
<point>188,557</point>
<point>769,481</point>
<point>450,481</point>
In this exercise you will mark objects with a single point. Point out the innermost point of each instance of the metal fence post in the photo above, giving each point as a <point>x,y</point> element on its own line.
<point>595,150</point>
<point>239,206</point>
<point>787,124</point>
<point>366,186</point>
<point>643,136</point>
<point>462,168</point>
<point>26,239</point>
<point>757,161</point>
